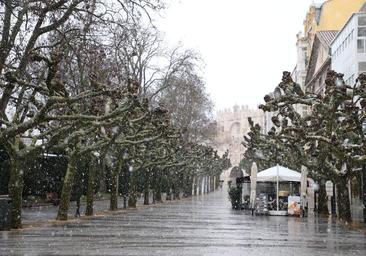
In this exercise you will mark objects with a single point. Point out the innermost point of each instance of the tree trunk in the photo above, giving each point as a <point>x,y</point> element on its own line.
<point>91,188</point>
<point>132,200</point>
<point>102,180</point>
<point>176,194</point>
<point>124,202</point>
<point>16,190</point>
<point>344,207</point>
<point>194,186</point>
<point>114,188</point>
<point>322,199</point>
<point>217,182</point>
<point>158,197</point>
<point>187,188</point>
<point>146,195</point>
<point>114,192</point>
<point>67,187</point>
<point>157,184</point>
<point>169,195</point>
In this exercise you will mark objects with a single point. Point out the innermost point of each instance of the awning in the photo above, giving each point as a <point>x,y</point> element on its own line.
<point>284,174</point>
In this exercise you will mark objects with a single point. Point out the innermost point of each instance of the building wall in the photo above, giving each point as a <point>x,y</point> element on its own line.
<point>310,27</point>
<point>232,125</point>
<point>323,54</point>
<point>331,15</point>
<point>299,73</point>
<point>349,49</point>
<point>335,13</point>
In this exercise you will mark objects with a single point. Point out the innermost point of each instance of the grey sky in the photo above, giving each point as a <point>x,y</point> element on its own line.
<point>245,44</point>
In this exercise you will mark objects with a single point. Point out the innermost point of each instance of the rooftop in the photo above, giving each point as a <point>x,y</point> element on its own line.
<point>326,37</point>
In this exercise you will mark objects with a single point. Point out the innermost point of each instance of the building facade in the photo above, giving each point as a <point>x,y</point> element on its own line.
<point>321,24</point>
<point>319,62</point>
<point>299,73</point>
<point>349,49</point>
<point>335,13</point>
<point>232,125</point>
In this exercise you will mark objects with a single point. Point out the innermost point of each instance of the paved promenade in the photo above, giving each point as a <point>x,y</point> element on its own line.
<point>203,225</point>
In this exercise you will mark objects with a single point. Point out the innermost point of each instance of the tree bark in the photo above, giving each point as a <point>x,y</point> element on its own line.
<point>132,200</point>
<point>322,199</point>
<point>146,195</point>
<point>176,193</point>
<point>16,190</point>
<point>91,188</point>
<point>158,197</point>
<point>114,192</point>
<point>169,195</point>
<point>67,187</point>
<point>124,202</point>
<point>344,207</point>
<point>102,180</point>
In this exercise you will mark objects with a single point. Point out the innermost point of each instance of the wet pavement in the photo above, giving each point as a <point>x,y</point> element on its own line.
<point>203,225</point>
<point>49,212</point>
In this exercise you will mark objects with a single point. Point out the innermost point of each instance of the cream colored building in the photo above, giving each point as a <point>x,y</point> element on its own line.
<point>232,125</point>
<point>331,15</point>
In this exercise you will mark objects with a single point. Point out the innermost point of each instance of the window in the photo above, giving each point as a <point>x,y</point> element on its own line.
<point>362,26</point>
<point>362,21</point>
<point>362,31</point>
<point>360,45</point>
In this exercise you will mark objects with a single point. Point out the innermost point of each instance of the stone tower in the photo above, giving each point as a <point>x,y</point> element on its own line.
<point>232,125</point>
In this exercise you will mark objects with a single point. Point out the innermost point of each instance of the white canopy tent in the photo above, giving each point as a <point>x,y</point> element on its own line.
<point>278,173</point>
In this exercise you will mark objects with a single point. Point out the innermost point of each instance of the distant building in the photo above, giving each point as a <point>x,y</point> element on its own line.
<point>232,125</point>
<point>335,13</point>
<point>299,73</point>
<point>320,61</point>
<point>311,23</point>
<point>321,24</point>
<point>349,48</point>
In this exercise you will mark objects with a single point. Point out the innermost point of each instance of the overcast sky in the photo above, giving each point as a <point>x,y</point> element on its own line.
<point>245,44</point>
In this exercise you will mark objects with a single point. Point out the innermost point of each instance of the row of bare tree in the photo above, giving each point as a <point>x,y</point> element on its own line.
<point>87,78</point>
<point>329,138</point>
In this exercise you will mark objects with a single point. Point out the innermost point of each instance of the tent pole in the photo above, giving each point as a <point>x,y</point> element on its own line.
<point>277,189</point>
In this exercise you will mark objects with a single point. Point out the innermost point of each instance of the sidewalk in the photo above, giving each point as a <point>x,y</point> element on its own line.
<point>198,225</point>
<point>48,213</point>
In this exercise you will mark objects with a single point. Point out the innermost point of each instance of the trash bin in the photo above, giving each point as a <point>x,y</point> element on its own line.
<point>5,212</point>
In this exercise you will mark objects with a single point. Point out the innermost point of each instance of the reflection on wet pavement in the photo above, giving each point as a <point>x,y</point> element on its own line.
<point>203,225</point>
